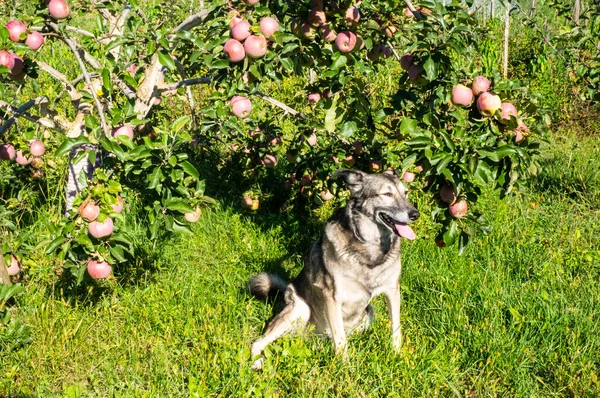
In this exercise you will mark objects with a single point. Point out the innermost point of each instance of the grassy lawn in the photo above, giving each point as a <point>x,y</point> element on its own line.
<point>517,315</point>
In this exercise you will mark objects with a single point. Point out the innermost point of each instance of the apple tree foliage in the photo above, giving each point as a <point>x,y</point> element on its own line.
<point>124,61</point>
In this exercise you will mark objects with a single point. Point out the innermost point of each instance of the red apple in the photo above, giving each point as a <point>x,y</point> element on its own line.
<point>251,2</point>
<point>314,97</point>
<point>352,16</point>
<point>193,216</point>
<point>234,18</point>
<point>7,152</point>
<point>488,104</point>
<point>327,33</point>
<point>119,206</point>
<point>447,194</point>
<point>15,30</point>
<point>255,46</point>
<point>14,267</point>
<point>375,165</point>
<point>37,148</point>
<point>296,27</point>
<point>255,205</point>
<point>345,41</point>
<point>312,139</point>
<point>462,95</point>
<point>408,13</point>
<point>234,50</point>
<point>37,163</point>
<point>6,59</point>
<point>390,31</point>
<point>406,61</point>
<point>459,209</point>
<point>349,161</point>
<point>317,17</point>
<point>508,110</point>
<point>17,68</point>
<point>123,130</point>
<point>419,168</point>
<point>101,229</point>
<point>21,159</point>
<point>268,26</point>
<point>34,40</point>
<point>270,160</point>
<point>98,269</point>
<point>358,148</point>
<point>59,9</point>
<point>414,73</point>
<point>89,211</point>
<point>408,176</point>
<point>480,85</point>
<point>308,31</point>
<point>241,106</point>
<point>518,136</point>
<point>291,157</point>
<point>306,180</point>
<point>247,202</point>
<point>326,195</point>
<point>241,30</point>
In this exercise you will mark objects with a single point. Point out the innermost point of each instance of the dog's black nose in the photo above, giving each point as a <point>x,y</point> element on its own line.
<point>413,214</point>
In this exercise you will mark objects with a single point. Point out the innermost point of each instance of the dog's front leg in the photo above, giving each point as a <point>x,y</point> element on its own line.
<point>392,298</point>
<point>336,323</point>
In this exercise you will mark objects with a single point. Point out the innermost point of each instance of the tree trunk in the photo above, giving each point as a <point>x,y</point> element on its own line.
<point>493,9</point>
<point>576,12</point>
<point>506,36</point>
<point>75,169</point>
<point>532,9</point>
<point>4,277</point>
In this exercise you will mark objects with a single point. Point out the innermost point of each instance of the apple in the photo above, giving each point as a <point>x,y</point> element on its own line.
<point>447,194</point>
<point>518,136</point>
<point>459,209</point>
<point>255,205</point>
<point>255,46</point>
<point>314,97</point>
<point>34,40</point>
<point>317,17</point>
<point>234,18</point>
<point>419,168</point>
<point>312,139</point>
<point>241,106</point>
<point>488,104</point>
<point>480,85</point>
<point>123,130</point>
<point>408,13</point>
<point>349,161</point>
<point>21,159</point>
<point>247,202</point>
<point>251,2</point>
<point>291,157</point>
<point>89,211</point>
<point>6,59</point>
<point>18,67</point>
<point>462,95</point>
<point>193,216</point>
<point>327,33</point>
<point>390,31</point>
<point>234,50</point>
<point>7,152</point>
<point>241,30</point>
<point>326,195</point>
<point>119,206</point>
<point>406,61</point>
<point>101,229</point>
<point>296,27</point>
<point>14,267</point>
<point>268,26</point>
<point>15,30</point>
<point>440,243</point>
<point>358,148</point>
<point>98,269</point>
<point>37,163</point>
<point>37,148</point>
<point>59,9</point>
<point>408,176</point>
<point>308,31</point>
<point>345,41</point>
<point>270,160</point>
<point>352,16</point>
<point>414,72</point>
<point>508,110</point>
<point>306,180</point>
<point>375,165</point>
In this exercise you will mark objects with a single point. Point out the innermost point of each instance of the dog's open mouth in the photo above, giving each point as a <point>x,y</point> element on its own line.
<point>401,229</point>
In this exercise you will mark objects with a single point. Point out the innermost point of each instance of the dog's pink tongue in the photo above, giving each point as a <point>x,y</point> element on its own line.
<point>405,231</point>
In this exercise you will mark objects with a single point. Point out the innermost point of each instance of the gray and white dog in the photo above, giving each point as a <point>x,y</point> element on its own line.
<point>356,258</point>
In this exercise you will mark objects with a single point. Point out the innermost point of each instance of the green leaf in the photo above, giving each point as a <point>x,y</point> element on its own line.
<point>69,144</point>
<point>408,127</point>
<point>189,169</point>
<point>348,129</point>
<point>166,60</point>
<point>499,153</point>
<point>182,229</point>
<point>178,204</point>
<point>418,142</point>
<point>55,244</point>
<point>430,69</point>
<point>443,163</point>
<point>118,253</point>
<point>180,123</point>
<point>338,63</point>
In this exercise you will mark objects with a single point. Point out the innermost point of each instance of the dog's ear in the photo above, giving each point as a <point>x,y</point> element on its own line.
<point>393,172</point>
<point>353,178</point>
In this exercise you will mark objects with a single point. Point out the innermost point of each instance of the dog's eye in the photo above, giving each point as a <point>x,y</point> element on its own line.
<point>389,194</point>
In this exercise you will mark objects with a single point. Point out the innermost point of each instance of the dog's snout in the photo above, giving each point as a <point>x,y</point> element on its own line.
<point>413,214</point>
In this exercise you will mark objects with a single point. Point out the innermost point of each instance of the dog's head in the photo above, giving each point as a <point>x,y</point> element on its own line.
<point>382,198</point>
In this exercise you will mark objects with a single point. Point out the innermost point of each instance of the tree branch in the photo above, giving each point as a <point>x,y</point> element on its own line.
<point>184,83</point>
<point>279,104</point>
<point>22,112</point>
<point>412,9</point>
<point>75,95</point>
<point>192,21</point>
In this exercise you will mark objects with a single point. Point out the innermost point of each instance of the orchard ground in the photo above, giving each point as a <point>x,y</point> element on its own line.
<point>517,314</point>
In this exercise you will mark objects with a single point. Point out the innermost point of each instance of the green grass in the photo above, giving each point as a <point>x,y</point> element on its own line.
<point>517,315</point>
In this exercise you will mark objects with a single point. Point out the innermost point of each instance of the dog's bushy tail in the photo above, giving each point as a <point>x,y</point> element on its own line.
<point>264,285</point>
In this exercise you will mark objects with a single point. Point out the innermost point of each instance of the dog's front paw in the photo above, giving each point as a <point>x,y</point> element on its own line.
<point>258,364</point>
<point>397,343</point>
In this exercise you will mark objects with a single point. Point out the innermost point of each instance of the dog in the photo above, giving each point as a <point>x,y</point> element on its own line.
<point>356,258</point>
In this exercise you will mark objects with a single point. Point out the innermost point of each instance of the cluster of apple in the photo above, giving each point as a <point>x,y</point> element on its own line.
<point>36,150</point>
<point>488,104</point>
